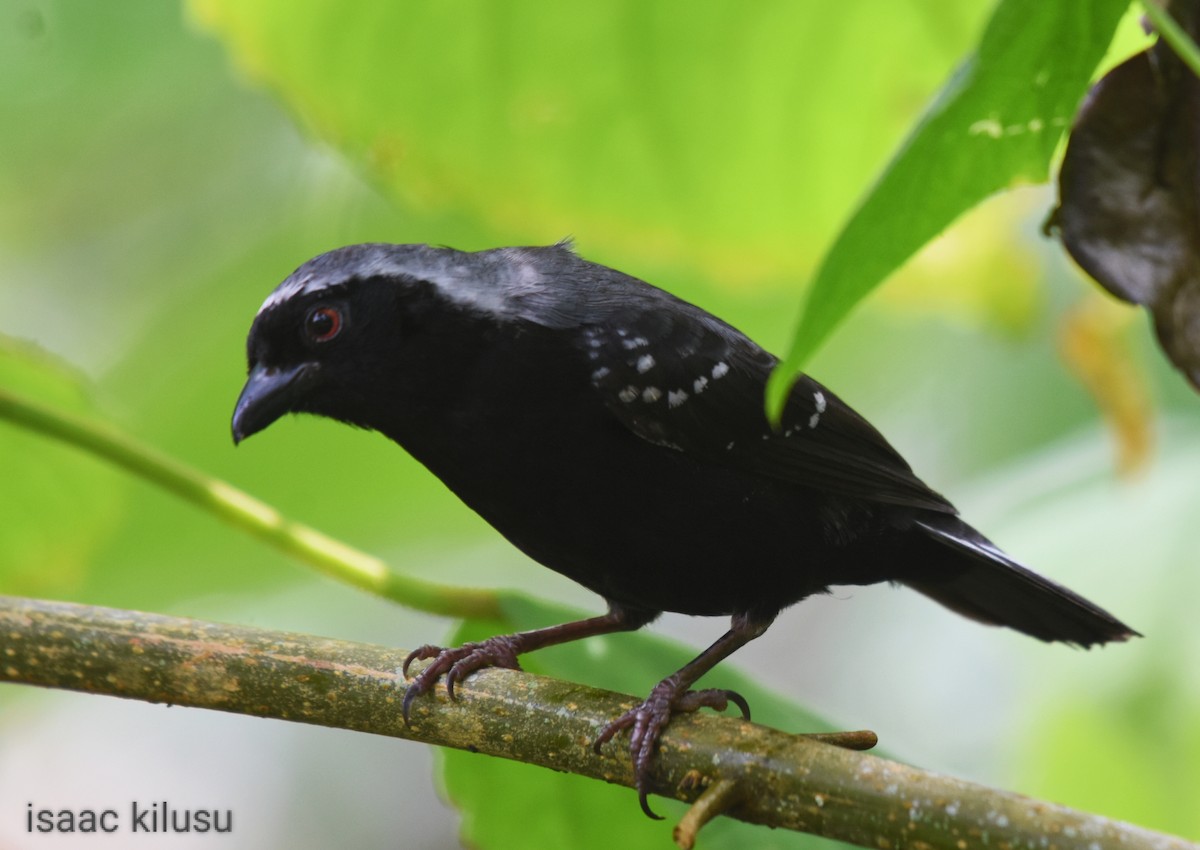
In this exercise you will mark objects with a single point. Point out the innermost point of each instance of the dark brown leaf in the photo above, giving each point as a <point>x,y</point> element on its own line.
<point>1129,189</point>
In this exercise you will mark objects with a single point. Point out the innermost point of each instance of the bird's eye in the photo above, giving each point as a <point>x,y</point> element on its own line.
<point>323,324</point>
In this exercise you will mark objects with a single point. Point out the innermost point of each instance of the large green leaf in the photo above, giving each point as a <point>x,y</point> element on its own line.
<point>677,134</point>
<point>1151,732</point>
<point>57,504</point>
<point>509,804</point>
<point>996,123</point>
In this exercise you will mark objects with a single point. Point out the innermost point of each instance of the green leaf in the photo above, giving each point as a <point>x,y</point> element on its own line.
<point>509,804</point>
<point>669,134</point>
<point>58,504</point>
<point>995,124</point>
<point>1149,730</point>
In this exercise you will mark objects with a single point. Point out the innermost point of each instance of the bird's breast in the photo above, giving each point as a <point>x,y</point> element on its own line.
<point>638,523</point>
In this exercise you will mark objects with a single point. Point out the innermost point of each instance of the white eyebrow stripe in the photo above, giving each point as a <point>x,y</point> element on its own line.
<point>500,282</point>
<point>293,288</point>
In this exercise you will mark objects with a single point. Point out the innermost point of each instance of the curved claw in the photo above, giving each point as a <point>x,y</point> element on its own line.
<point>650,813</point>
<point>420,654</point>
<point>409,695</point>
<point>740,701</point>
<point>611,729</point>
<point>717,699</point>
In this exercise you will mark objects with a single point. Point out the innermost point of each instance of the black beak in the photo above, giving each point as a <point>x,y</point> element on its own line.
<point>268,394</point>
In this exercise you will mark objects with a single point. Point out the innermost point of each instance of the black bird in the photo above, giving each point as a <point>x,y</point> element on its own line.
<point>616,434</point>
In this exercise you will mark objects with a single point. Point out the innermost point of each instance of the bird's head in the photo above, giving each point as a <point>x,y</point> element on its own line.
<point>366,333</point>
<point>310,337</point>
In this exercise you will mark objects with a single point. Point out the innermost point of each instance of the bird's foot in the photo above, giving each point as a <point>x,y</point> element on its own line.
<point>649,719</point>
<point>456,664</point>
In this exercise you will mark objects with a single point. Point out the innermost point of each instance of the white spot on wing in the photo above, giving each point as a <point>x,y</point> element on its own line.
<point>720,370</point>
<point>628,394</point>
<point>645,364</point>
<point>699,384</point>
<point>651,394</point>
<point>820,402</point>
<point>676,398</point>
<point>601,373</point>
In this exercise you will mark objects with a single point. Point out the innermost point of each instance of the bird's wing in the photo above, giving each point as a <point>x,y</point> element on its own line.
<point>685,380</point>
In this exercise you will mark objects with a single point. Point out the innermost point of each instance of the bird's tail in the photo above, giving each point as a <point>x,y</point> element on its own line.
<point>989,586</point>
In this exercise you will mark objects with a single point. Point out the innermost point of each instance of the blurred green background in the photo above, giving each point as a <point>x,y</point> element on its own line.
<point>162,168</point>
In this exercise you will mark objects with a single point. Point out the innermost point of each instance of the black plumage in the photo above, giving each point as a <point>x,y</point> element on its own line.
<point>617,435</point>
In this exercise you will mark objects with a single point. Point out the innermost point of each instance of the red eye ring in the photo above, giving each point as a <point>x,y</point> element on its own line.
<point>323,323</point>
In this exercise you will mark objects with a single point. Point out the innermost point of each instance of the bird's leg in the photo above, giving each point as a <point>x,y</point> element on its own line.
<point>501,651</point>
<point>672,695</point>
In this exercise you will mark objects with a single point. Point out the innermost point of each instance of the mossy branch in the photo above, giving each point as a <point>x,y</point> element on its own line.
<point>736,768</point>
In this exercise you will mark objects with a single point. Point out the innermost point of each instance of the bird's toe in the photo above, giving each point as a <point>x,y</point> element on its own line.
<point>456,664</point>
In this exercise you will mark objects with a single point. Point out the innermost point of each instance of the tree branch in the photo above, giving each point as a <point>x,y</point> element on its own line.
<point>760,774</point>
